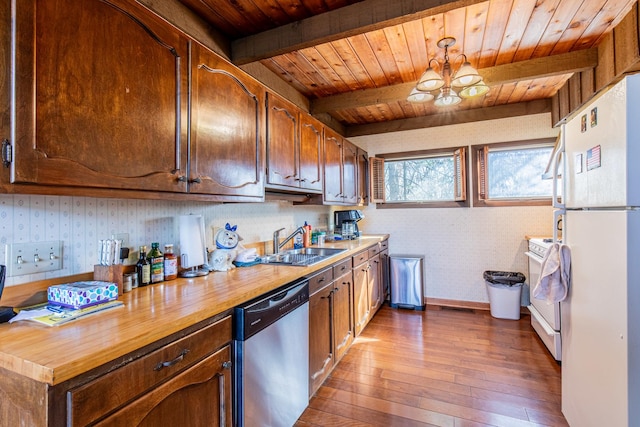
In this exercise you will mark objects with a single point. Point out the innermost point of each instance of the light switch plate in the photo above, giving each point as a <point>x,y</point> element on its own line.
<point>33,257</point>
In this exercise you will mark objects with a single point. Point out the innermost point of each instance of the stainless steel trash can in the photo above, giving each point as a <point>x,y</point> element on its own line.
<point>407,281</point>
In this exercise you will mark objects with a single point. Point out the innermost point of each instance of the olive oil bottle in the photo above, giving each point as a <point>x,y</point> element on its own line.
<point>143,268</point>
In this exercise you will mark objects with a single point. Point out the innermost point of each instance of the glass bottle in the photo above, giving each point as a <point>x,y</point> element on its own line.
<point>156,260</point>
<point>170,263</point>
<point>143,268</point>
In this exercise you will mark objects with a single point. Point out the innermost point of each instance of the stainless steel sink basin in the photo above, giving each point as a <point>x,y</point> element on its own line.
<point>301,257</point>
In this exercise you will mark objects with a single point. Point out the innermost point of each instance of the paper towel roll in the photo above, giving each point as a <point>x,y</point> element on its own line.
<point>192,241</point>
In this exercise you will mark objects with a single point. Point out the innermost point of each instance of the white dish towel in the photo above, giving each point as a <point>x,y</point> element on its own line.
<point>555,274</point>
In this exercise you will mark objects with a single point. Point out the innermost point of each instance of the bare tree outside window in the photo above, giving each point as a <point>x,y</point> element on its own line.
<point>518,173</point>
<point>419,180</point>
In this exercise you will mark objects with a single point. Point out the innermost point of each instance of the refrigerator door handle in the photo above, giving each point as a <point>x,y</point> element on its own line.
<point>556,217</point>
<point>556,176</point>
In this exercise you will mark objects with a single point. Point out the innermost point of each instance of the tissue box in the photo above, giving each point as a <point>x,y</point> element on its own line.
<point>82,294</point>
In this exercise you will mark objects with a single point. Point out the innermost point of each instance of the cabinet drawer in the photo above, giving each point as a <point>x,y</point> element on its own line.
<point>108,392</point>
<point>361,257</point>
<point>384,245</point>
<point>342,267</point>
<point>374,250</point>
<point>320,280</point>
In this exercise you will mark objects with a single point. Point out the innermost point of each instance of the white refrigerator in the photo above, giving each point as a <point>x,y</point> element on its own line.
<point>601,315</point>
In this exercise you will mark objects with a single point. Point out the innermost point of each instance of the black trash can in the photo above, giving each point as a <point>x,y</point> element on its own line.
<point>505,292</point>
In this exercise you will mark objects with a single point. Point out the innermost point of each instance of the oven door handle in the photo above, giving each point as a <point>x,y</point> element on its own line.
<point>534,257</point>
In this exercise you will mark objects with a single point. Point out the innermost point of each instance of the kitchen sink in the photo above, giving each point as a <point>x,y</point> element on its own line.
<point>301,257</point>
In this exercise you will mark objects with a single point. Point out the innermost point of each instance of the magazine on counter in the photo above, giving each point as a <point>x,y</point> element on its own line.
<point>52,314</point>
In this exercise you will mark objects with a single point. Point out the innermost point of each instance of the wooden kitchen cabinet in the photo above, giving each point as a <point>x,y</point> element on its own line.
<point>227,129</point>
<point>340,170</point>
<point>321,355</point>
<point>330,322</point>
<point>367,287</point>
<point>343,332</point>
<point>361,304</point>
<point>294,147</point>
<point>187,381</point>
<point>100,96</point>
<point>363,178</point>
<point>200,396</point>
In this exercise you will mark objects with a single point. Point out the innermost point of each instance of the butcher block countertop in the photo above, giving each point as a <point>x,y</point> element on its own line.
<point>55,354</point>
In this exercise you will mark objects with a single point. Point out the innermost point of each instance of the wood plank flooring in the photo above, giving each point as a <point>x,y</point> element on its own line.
<point>446,367</point>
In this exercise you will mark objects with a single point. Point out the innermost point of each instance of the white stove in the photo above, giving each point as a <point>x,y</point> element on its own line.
<point>545,318</point>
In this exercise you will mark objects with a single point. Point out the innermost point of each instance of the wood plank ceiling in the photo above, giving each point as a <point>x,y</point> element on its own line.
<point>358,61</point>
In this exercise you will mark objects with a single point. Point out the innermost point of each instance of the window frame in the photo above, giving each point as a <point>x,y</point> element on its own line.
<point>479,154</point>
<point>460,194</point>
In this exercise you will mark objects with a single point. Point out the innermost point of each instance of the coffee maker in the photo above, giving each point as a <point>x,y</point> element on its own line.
<point>351,218</point>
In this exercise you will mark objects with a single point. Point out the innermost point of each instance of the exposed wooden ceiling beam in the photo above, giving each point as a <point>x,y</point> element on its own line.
<point>462,116</point>
<point>565,63</point>
<point>347,21</point>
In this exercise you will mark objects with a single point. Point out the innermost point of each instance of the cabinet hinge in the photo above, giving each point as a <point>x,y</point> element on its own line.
<point>7,153</point>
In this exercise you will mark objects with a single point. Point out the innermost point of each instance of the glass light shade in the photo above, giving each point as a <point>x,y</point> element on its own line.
<point>466,76</point>
<point>474,90</point>
<point>418,96</point>
<point>447,99</point>
<point>430,80</point>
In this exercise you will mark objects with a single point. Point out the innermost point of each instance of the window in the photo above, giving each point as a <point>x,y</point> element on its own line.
<point>511,173</point>
<point>433,178</point>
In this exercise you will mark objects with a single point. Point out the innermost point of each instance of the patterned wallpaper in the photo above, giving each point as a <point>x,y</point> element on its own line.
<point>459,244</point>
<point>81,221</point>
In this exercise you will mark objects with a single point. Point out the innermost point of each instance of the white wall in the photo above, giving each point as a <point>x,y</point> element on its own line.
<point>460,243</point>
<point>81,221</point>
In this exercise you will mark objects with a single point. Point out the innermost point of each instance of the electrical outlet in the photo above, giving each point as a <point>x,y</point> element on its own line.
<point>34,257</point>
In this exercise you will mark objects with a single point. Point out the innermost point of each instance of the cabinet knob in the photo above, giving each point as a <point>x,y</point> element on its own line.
<point>227,365</point>
<point>182,178</point>
<point>195,181</point>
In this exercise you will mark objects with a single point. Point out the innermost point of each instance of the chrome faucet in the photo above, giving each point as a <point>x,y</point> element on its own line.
<point>276,236</point>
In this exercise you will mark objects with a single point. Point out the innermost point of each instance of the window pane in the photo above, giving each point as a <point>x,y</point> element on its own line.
<point>518,173</point>
<point>419,180</point>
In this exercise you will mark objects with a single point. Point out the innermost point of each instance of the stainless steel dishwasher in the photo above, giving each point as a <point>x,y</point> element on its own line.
<point>271,337</point>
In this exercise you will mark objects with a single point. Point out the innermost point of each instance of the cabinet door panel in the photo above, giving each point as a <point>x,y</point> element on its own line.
<point>363,177</point>
<point>282,143</point>
<point>200,396</point>
<point>375,290</point>
<point>349,170</point>
<point>360,297</point>
<point>342,315</point>
<point>332,167</point>
<point>98,96</point>
<point>227,134</point>
<point>320,338</point>
<point>311,142</point>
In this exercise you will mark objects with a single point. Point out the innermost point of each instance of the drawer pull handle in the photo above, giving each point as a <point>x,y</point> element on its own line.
<point>321,280</point>
<point>169,363</point>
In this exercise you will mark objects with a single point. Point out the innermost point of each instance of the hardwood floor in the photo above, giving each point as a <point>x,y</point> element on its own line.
<point>441,368</point>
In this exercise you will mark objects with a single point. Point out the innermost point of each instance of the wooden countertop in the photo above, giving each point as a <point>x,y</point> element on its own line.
<point>55,354</point>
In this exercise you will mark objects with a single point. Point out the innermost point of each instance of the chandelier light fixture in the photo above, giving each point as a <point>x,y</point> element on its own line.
<point>466,81</point>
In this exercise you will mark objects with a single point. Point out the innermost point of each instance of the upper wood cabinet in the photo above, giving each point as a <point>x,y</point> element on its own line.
<point>294,147</point>
<point>100,96</point>
<point>340,170</point>
<point>227,129</point>
<point>332,167</point>
<point>363,178</point>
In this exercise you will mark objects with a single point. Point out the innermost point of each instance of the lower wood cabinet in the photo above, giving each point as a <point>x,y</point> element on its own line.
<point>185,382</point>
<point>330,322</point>
<point>368,285</point>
